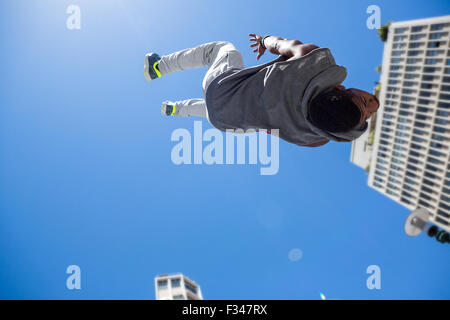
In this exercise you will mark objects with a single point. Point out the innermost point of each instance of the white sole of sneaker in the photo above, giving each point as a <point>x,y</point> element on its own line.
<point>147,69</point>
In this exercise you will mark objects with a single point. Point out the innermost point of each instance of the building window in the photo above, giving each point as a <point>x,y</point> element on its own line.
<point>442,113</point>
<point>435,153</point>
<point>439,129</point>
<point>398,45</point>
<point>419,124</point>
<point>412,60</point>
<point>426,86</point>
<point>401,30</point>
<point>431,61</point>
<point>430,69</point>
<point>421,117</point>
<point>437,27</point>
<point>444,105</point>
<point>416,36</point>
<point>400,148</point>
<point>432,168</point>
<point>190,288</point>
<point>424,101</point>
<point>413,160</point>
<point>436,35</point>
<point>417,139</point>
<point>415,154</point>
<point>424,110</point>
<point>379,179</point>
<point>433,53</point>
<point>178,297</point>
<point>443,214</point>
<point>417,28</point>
<point>440,121</point>
<point>398,154</point>
<point>427,78</point>
<point>417,131</point>
<point>175,283</point>
<point>410,76</point>
<point>437,137</point>
<point>399,38</point>
<point>423,203</point>
<point>429,175</point>
<point>376,184</point>
<point>412,53</point>
<point>444,96</point>
<point>434,44</point>
<point>445,198</point>
<point>433,160</point>
<point>162,284</point>
<point>415,45</point>
<point>411,68</point>
<point>391,192</point>
<point>436,145</point>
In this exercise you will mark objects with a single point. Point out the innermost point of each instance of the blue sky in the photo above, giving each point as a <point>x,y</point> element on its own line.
<point>86,176</point>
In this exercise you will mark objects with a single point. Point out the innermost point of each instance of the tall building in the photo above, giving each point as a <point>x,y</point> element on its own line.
<point>176,287</point>
<point>410,144</point>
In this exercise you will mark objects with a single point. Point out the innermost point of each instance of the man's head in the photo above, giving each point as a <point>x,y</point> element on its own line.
<point>342,110</point>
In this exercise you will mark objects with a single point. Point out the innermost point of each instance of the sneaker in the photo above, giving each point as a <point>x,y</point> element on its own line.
<point>151,68</point>
<point>168,108</point>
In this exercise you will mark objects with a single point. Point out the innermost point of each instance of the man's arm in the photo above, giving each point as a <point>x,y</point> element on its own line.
<point>288,48</point>
<point>281,46</point>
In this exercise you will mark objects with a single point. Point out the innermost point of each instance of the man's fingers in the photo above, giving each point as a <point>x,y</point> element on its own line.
<point>256,50</point>
<point>253,45</point>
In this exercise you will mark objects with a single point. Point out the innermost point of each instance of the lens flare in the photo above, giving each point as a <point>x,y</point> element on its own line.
<point>322,296</point>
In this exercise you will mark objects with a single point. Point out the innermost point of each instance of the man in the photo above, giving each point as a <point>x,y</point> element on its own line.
<point>299,93</point>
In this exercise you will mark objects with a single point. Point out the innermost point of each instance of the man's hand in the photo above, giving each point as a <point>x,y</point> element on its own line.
<point>260,48</point>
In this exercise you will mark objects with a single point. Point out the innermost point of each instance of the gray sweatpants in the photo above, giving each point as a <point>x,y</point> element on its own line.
<point>219,56</point>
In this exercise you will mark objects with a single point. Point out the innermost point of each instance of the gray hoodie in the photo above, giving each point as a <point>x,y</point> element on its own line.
<point>276,95</point>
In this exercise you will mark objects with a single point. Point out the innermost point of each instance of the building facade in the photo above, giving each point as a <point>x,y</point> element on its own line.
<point>411,140</point>
<point>176,287</point>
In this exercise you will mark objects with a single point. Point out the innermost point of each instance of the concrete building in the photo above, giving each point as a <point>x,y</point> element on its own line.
<point>410,152</point>
<point>176,287</point>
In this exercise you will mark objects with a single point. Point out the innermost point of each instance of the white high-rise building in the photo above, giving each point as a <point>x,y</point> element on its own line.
<point>176,287</point>
<point>410,148</point>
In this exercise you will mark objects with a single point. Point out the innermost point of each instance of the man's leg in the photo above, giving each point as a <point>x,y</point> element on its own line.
<point>228,57</point>
<point>198,57</point>
<point>219,56</point>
